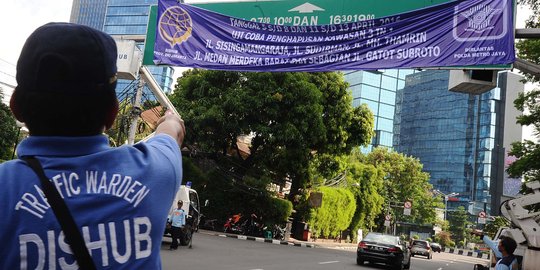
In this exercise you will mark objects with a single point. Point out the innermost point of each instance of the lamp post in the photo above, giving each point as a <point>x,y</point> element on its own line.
<point>446,196</point>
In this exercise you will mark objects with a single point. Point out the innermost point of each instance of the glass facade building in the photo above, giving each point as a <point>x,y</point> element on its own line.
<point>89,12</point>
<point>378,90</point>
<point>122,17</point>
<point>455,135</point>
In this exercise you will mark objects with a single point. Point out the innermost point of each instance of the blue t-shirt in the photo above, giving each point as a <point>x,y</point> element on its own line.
<point>120,197</point>
<point>178,218</point>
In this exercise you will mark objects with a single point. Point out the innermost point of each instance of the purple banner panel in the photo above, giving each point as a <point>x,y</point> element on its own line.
<point>459,33</point>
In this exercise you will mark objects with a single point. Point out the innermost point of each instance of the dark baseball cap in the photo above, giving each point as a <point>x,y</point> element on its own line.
<point>67,58</point>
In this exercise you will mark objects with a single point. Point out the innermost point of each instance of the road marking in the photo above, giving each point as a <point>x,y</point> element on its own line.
<point>328,262</point>
<point>440,268</point>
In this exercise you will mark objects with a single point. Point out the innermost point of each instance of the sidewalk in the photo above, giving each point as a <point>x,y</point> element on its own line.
<point>320,243</point>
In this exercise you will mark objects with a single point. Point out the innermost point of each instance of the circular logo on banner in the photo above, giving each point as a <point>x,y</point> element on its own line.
<point>175,25</point>
<point>482,214</point>
<point>407,204</point>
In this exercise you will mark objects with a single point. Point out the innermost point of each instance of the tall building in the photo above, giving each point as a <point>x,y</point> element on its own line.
<point>378,90</point>
<point>460,138</point>
<point>89,12</point>
<point>122,18</point>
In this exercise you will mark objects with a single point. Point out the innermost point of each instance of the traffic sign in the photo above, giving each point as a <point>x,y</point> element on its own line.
<point>303,13</point>
<point>388,217</point>
<point>407,204</point>
<point>482,214</point>
<point>315,12</point>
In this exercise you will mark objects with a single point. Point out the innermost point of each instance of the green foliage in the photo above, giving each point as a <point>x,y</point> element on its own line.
<point>334,215</point>
<point>416,237</point>
<point>429,239</point>
<point>444,239</point>
<point>278,210</point>
<point>227,197</point>
<point>405,180</point>
<point>528,152</point>
<point>8,130</point>
<point>291,116</point>
<point>458,223</point>
<point>492,227</point>
<point>366,183</point>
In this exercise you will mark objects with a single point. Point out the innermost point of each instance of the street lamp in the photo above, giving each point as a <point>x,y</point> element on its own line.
<point>446,196</point>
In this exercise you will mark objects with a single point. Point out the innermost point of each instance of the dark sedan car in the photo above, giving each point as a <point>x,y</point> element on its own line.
<point>435,247</point>
<point>383,248</point>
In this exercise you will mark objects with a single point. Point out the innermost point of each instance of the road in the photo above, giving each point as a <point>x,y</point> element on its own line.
<point>214,252</point>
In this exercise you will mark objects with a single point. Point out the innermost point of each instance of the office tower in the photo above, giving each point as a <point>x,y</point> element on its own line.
<point>89,12</point>
<point>127,18</point>
<point>378,90</point>
<point>460,138</point>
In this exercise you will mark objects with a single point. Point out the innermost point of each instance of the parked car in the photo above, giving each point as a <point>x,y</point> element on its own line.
<point>383,248</point>
<point>421,247</point>
<point>435,247</point>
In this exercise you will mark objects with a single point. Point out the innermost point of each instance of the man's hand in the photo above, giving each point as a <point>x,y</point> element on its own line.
<point>172,125</point>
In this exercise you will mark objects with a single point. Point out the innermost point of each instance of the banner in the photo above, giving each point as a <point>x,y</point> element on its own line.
<point>459,33</point>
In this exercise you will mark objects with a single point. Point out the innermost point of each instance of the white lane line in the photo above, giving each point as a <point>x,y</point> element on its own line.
<point>257,269</point>
<point>440,268</point>
<point>328,262</point>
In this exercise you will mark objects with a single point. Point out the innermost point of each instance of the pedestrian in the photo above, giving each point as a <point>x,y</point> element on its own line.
<point>71,200</point>
<point>177,219</point>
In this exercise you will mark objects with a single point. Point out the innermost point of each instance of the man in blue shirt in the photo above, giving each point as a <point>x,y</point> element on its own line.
<point>503,249</point>
<point>177,219</point>
<point>118,197</point>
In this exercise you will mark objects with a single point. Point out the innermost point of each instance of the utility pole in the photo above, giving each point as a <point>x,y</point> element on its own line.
<point>135,112</point>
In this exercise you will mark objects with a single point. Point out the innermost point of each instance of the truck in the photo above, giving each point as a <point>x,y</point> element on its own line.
<point>524,217</point>
<point>191,206</point>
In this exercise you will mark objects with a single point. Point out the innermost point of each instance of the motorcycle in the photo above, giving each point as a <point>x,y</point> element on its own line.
<point>278,233</point>
<point>233,225</point>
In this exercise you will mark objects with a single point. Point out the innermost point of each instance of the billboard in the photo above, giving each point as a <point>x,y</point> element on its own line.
<point>460,33</point>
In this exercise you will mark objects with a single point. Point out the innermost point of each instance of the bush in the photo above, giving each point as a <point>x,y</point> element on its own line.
<point>335,214</point>
<point>429,239</point>
<point>416,237</point>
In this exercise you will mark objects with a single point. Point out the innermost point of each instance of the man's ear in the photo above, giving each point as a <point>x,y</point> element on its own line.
<point>111,116</point>
<point>15,106</point>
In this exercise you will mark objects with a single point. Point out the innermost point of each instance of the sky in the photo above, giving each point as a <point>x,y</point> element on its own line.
<point>19,18</point>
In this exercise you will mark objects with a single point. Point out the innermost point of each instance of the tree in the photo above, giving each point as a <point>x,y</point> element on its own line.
<point>366,182</point>
<point>458,224</point>
<point>405,180</point>
<point>290,118</point>
<point>8,130</point>
<point>527,152</point>
<point>492,227</point>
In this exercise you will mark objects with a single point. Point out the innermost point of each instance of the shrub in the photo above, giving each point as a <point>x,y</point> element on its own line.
<point>335,214</point>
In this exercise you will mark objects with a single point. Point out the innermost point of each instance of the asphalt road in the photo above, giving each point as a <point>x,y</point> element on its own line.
<point>214,252</point>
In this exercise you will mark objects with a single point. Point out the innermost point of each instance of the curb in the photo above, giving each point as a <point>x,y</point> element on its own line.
<point>263,240</point>
<point>469,253</point>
